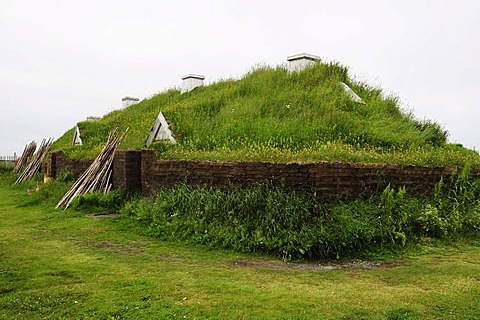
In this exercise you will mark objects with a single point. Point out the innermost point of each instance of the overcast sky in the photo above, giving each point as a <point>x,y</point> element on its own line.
<point>61,61</point>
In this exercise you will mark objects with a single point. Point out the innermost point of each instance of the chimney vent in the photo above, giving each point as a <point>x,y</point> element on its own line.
<point>298,62</point>
<point>128,101</point>
<point>191,81</point>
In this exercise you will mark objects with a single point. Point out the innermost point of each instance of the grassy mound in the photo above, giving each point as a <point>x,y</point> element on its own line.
<point>273,115</point>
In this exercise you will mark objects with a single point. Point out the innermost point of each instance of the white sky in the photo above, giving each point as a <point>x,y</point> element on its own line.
<point>61,61</point>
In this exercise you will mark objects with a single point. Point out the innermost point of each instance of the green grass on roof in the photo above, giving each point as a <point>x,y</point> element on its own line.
<point>273,115</point>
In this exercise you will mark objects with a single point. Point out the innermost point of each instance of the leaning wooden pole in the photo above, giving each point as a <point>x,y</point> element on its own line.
<point>97,176</point>
<point>35,164</point>
<point>26,155</point>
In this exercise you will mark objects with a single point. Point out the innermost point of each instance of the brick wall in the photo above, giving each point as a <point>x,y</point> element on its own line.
<point>141,171</point>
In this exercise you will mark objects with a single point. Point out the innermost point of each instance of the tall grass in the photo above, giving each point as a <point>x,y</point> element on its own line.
<point>286,116</point>
<point>290,225</point>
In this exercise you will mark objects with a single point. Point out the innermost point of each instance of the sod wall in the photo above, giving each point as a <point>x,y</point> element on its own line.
<point>141,171</point>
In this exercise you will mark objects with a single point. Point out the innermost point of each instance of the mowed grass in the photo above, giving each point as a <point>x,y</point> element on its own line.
<point>65,265</point>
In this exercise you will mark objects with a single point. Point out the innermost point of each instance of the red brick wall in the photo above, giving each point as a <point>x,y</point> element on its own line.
<point>141,171</point>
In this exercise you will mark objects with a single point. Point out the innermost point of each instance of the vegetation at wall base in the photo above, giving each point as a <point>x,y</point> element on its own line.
<point>273,220</point>
<point>276,221</point>
<point>99,202</point>
<point>273,115</point>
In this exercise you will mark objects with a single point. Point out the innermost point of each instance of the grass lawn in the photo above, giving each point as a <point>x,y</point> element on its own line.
<point>67,265</point>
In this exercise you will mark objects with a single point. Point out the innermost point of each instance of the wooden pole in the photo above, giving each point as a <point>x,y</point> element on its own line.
<point>97,176</point>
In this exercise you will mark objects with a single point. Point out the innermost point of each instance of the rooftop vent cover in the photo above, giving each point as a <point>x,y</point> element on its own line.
<point>298,62</point>
<point>191,81</point>
<point>128,101</point>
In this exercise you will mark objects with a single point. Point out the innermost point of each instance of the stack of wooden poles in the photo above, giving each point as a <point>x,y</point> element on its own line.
<point>35,163</point>
<point>23,160</point>
<point>97,176</point>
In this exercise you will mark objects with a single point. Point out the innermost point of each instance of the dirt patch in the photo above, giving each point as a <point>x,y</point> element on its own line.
<point>106,245</point>
<point>123,249</point>
<point>314,266</point>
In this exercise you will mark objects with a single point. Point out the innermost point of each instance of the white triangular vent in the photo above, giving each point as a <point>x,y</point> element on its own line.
<point>160,131</point>
<point>77,141</point>
<point>351,93</point>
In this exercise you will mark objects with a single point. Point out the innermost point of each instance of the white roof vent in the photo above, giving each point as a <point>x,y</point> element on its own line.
<point>93,118</point>
<point>128,101</point>
<point>191,81</point>
<point>298,62</point>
